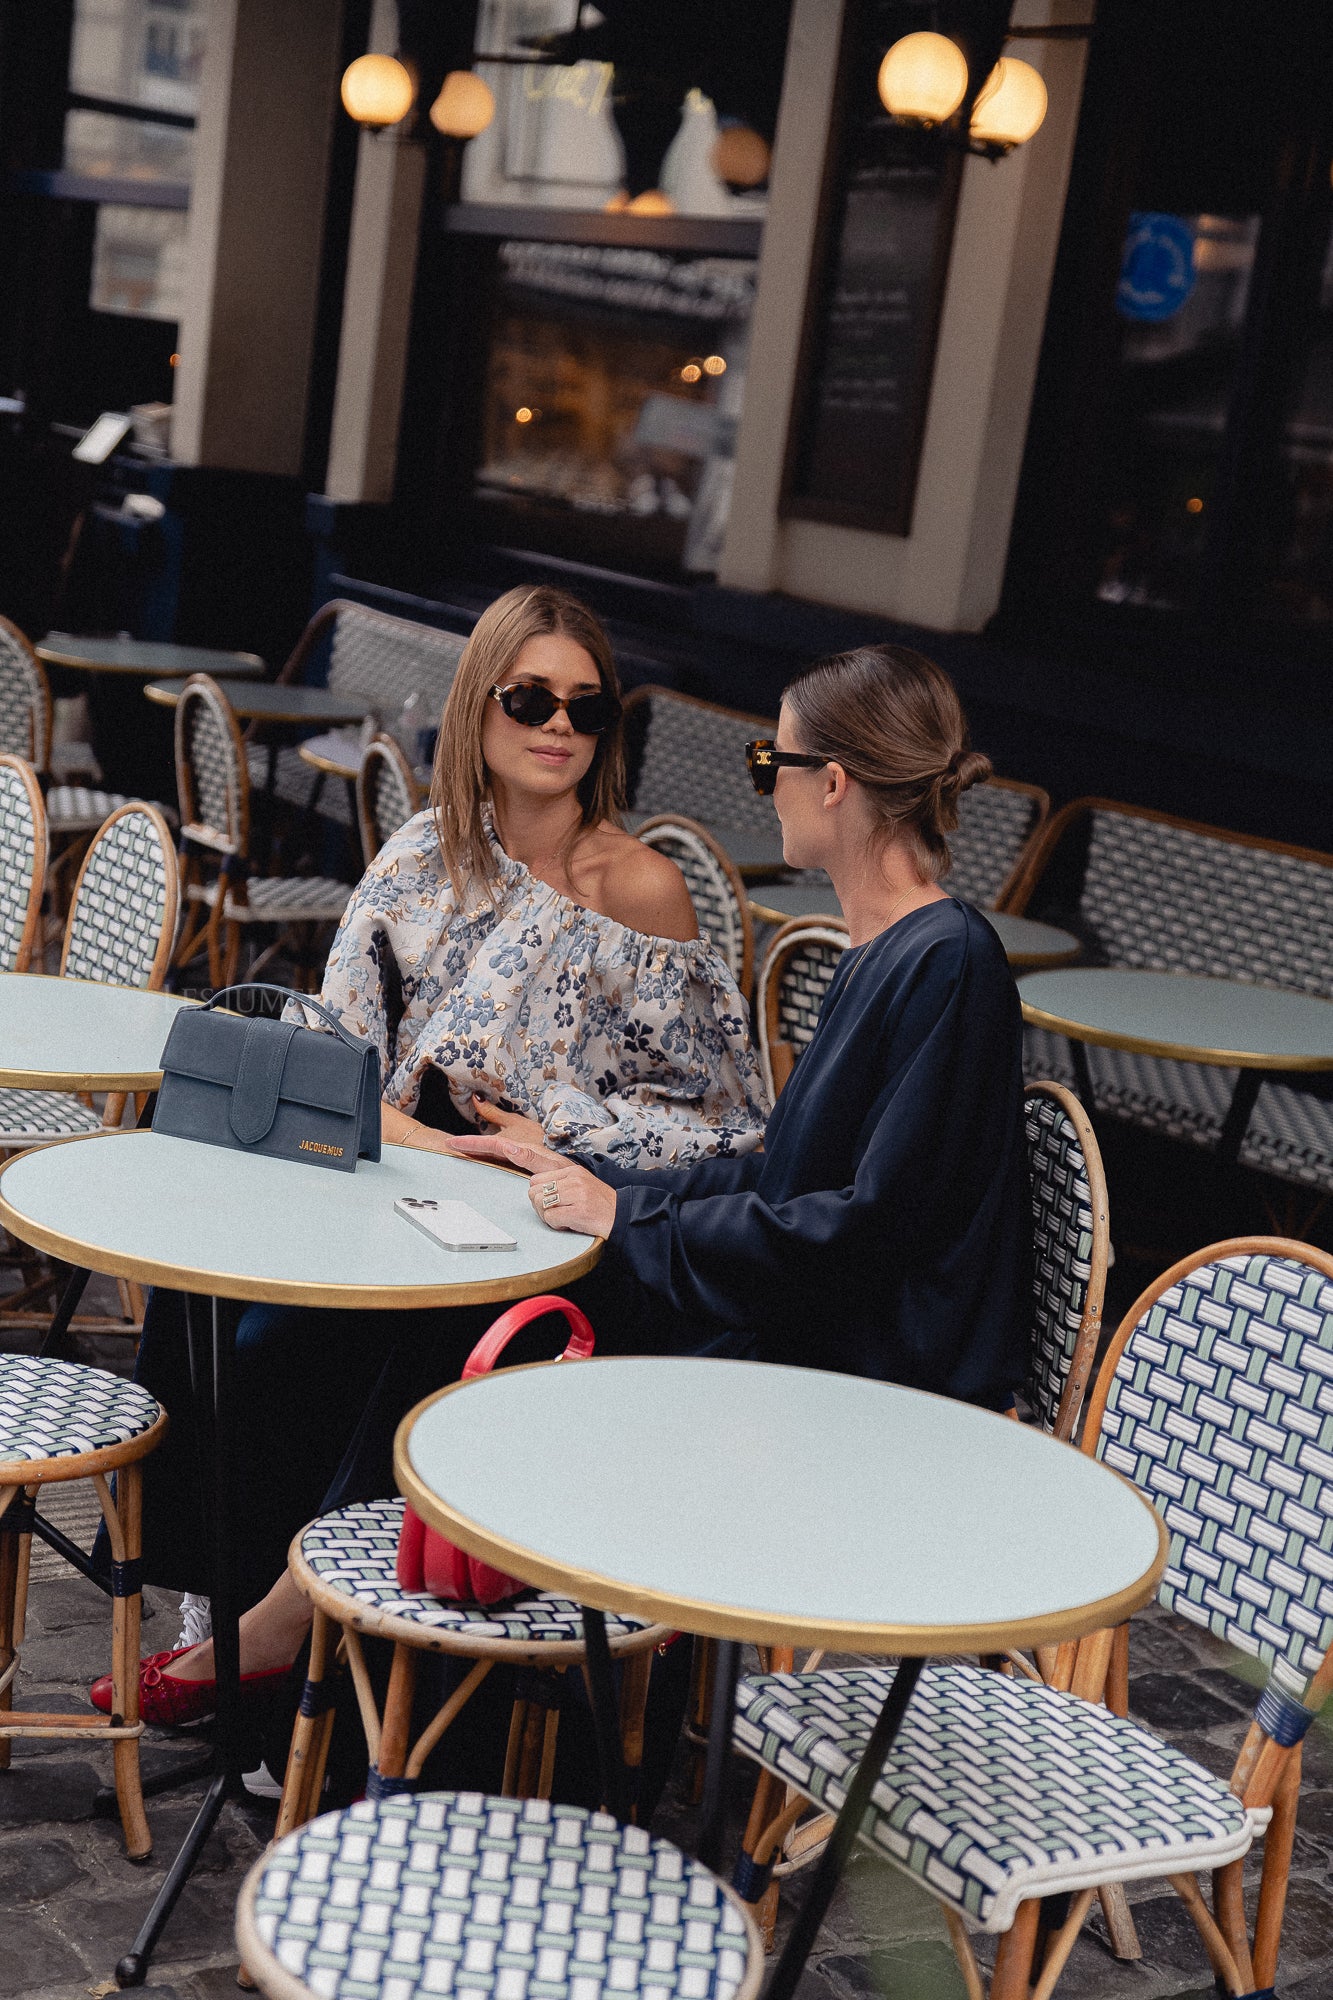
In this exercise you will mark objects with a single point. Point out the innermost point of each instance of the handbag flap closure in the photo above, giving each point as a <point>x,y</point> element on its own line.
<point>258,1086</point>
<point>317,1069</point>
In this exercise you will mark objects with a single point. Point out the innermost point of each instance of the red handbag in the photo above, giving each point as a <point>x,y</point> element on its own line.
<point>428,1560</point>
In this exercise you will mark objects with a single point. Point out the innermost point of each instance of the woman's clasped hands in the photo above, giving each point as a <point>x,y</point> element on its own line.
<point>564,1194</point>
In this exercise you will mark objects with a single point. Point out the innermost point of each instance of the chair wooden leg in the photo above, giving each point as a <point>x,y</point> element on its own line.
<point>1278,1842</point>
<point>396,1726</point>
<point>1229,1909</point>
<point>126,1610</point>
<point>310,1733</point>
<point>11,1632</point>
<point>530,1750</point>
<point>1012,1976</point>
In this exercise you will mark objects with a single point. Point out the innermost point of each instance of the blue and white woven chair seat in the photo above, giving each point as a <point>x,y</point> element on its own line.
<point>458,1893</point>
<point>57,1409</point>
<point>28,1117</point>
<point>1290,1134</point>
<point>996,1790</point>
<point>79,808</point>
<point>296,782</point>
<point>280,899</point>
<point>352,1553</point>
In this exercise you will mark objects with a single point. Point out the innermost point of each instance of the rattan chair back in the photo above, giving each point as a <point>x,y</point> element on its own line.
<point>690,759</point>
<point>23,857</point>
<point>1215,1399</point>
<point>212,778</point>
<point>381,657</point>
<point>997,822</point>
<point>715,887</point>
<point>25,699</point>
<point>387,793</point>
<point>122,921</point>
<point>795,974</point>
<point>1071,1251</point>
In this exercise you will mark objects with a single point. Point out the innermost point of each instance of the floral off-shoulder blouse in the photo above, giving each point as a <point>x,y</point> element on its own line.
<point>627,1048</point>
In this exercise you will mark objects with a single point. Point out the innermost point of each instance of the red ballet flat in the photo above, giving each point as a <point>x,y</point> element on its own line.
<point>169,1702</point>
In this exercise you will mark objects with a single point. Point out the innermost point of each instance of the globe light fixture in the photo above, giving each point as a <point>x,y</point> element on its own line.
<point>740,156</point>
<point>464,107</point>
<point>377,91</point>
<point>1010,107</point>
<point>923,79</point>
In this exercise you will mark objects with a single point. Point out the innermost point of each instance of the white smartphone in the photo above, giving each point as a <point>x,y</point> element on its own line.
<point>453,1224</point>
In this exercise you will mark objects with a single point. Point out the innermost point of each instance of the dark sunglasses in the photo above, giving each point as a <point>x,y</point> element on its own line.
<point>764,760</point>
<point>589,714</point>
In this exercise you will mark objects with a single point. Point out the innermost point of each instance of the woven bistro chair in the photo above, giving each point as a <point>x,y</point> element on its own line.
<point>997,825</point>
<point>213,783</point>
<point>368,653</point>
<point>715,887</point>
<point>22,862</point>
<point>60,1422</point>
<point>25,730</point>
<point>453,1892</point>
<point>794,975</point>
<point>1072,1248</point>
<point>387,793</point>
<point>688,756</point>
<point>1001,1793</point>
<point>346,1564</point>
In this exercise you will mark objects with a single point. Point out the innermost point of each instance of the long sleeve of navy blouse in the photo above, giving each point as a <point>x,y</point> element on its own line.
<point>885,1230</point>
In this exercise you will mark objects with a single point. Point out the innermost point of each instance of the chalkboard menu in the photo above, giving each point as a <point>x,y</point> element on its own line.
<point>876,288</point>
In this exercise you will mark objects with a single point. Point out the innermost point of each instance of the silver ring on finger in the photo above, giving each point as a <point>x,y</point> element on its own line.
<point>549,1187</point>
<point>550,1198</point>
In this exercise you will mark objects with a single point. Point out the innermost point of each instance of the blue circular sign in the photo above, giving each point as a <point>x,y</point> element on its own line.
<point>1157,268</point>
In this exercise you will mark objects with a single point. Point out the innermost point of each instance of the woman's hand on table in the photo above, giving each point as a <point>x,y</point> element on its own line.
<point>564,1194</point>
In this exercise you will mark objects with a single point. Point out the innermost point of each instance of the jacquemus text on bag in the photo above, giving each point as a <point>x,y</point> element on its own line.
<point>264,1086</point>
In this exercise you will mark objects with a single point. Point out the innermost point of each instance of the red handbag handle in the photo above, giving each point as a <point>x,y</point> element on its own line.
<point>497,1337</point>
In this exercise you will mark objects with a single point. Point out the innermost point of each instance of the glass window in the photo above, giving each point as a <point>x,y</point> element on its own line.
<point>613,389</point>
<point>1301,586</point>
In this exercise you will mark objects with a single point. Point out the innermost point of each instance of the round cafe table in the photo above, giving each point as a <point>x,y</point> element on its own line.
<point>639,1484</point>
<point>336,752</point>
<point>275,701</point>
<point>1026,943</point>
<point>754,850</point>
<point>232,1227</point>
<point>1263,1032</point>
<point>77,1034</point>
<point>146,658</point>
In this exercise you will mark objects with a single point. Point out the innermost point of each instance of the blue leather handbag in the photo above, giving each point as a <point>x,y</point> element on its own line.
<point>263,1086</point>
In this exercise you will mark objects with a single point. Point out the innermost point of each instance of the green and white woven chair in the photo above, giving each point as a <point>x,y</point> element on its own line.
<point>688,756</point>
<point>1215,1399</point>
<point>453,1892</point>
<point>213,785</point>
<point>387,793</point>
<point>25,730</point>
<point>60,1422</point>
<point>345,1563</point>
<point>121,924</point>
<point>715,887</point>
<point>22,862</point>
<point>795,973</point>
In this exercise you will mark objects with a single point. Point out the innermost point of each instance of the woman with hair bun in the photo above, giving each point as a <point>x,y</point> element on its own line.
<point>885,1229</point>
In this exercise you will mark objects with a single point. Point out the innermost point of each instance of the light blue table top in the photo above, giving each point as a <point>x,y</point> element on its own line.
<point>145,656</point>
<point>649,1486</point>
<point>238,1226</point>
<point>1219,1021</point>
<point>1025,942</point>
<point>275,701</point>
<point>76,1034</point>
<point>752,849</point>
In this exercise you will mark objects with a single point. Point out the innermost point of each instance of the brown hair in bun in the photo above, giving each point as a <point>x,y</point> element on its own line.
<point>893,720</point>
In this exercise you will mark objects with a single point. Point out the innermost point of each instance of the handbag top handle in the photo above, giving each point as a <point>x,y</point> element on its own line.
<point>301,999</point>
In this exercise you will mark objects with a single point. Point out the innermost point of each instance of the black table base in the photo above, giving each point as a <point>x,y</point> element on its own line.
<point>827,1871</point>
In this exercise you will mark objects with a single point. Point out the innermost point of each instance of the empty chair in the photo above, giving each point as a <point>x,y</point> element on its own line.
<point>387,793</point>
<point>997,824</point>
<point>688,757</point>
<point>25,730</point>
<point>1000,1794</point>
<point>213,784</point>
<point>715,887</point>
<point>22,862</point>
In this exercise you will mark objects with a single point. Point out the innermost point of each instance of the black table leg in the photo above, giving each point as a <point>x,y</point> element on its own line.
<point>1082,1077</point>
<point>828,1869</point>
<point>53,1340</point>
<point>605,1715</point>
<point>719,1753</point>
<point>213,1388</point>
<point>1243,1099</point>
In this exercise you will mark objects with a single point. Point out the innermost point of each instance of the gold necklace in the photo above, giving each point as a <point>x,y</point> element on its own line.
<point>863,947</point>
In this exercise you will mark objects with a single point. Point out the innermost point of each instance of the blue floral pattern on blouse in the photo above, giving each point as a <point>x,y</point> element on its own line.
<point>628,1048</point>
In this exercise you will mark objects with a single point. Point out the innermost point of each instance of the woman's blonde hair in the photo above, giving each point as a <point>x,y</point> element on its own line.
<point>893,720</point>
<point>458,787</point>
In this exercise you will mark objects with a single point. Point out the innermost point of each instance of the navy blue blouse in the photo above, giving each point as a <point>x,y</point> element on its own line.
<point>886,1228</point>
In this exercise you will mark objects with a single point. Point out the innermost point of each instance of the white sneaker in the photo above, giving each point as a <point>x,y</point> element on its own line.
<point>196,1621</point>
<point>261,1783</point>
